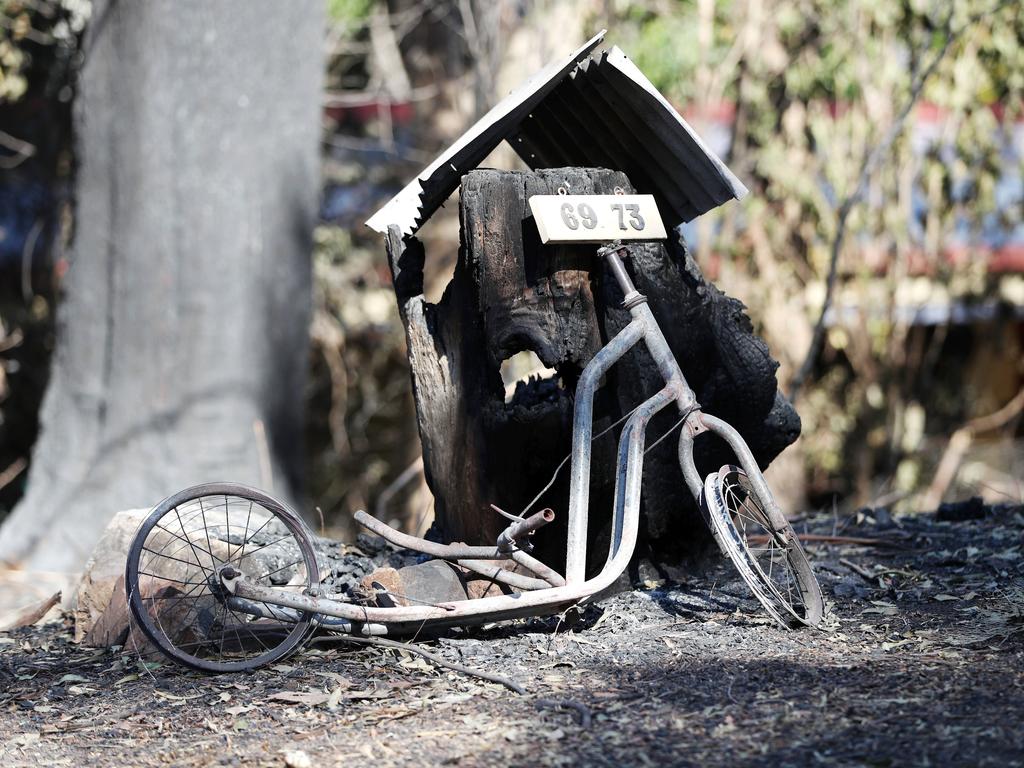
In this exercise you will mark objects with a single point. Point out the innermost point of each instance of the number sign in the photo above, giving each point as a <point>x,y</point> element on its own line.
<point>596,218</point>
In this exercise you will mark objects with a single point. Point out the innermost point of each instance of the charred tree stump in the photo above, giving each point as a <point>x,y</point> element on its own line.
<point>509,293</point>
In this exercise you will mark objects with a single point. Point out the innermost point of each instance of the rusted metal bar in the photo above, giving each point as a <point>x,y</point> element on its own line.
<point>464,554</point>
<point>433,548</point>
<point>582,430</point>
<point>493,570</point>
<point>628,476</point>
<point>550,575</point>
<point>508,540</point>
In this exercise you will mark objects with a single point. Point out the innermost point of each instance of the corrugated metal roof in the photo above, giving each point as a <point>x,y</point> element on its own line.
<point>591,112</point>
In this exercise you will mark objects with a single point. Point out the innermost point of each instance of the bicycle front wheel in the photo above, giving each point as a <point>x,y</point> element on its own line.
<point>768,557</point>
<point>173,584</point>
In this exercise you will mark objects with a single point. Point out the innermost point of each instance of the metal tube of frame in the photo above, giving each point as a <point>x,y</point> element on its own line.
<point>432,548</point>
<point>629,472</point>
<point>550,575</point>
<point>749,464</point>
<point>508,540</point>
<point>629,469</point>
<point>492,569</point>
<point>620,274</point>
<point>654,339</point>
<point>579,478</point>
<point>686,463</point>
<point>668,366</point>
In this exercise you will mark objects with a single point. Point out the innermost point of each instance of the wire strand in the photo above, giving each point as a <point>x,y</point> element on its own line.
<point>689,411</point>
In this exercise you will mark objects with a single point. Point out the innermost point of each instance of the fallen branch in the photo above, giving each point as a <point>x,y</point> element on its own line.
<point>960,441</point>
<point>862,572</point>
<point>581,709</point>
<point>33,613</point>
<point>825,539</point>
<point>861,540</point>
<point>433,657</point>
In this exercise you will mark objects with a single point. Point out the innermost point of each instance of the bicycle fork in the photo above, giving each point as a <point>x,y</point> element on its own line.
<point>642,327</point>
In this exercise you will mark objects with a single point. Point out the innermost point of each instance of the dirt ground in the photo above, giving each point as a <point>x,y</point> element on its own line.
<point>922,663</point>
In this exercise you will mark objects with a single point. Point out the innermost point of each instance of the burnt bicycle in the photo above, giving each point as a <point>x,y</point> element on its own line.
<point>222,577</point>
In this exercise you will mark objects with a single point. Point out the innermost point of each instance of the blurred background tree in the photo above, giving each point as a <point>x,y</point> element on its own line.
<point>181,351</point>
<point>902,120</point>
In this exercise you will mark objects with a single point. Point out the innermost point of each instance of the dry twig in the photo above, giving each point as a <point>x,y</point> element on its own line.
<point>381,642</point>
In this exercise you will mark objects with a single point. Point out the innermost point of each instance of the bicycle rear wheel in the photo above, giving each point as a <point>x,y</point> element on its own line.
<point>768,557</point>
<point>173,585</point>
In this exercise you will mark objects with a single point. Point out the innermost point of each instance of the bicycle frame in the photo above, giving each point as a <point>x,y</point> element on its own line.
<point>550,592</point>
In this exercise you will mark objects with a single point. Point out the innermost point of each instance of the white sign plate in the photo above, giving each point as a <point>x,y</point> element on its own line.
<point>596,218</point>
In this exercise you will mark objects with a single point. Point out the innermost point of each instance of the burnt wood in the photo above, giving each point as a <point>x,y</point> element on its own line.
<point>509,293</point>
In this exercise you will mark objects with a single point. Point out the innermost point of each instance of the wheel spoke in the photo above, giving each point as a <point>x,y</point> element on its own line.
<point>277,570</point>
<point>175,559</point>
<point>187,541</point>
<point>190,542</point>
<point>206,528</point>
<point>245,534</point>
<point>264,546</point>
<point>190,619</point>
<point>250,538</point>
<point>173,598</point>
<point>171,578</point>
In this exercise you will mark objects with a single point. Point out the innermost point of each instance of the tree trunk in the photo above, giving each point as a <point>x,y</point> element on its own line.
<point>509,293</point>
<point>182,341</point>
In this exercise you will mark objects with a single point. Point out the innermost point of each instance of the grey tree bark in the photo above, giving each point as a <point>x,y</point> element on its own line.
<point>182,339</point>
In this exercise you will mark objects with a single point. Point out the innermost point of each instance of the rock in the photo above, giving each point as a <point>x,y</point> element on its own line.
<point>850,587</point>
<point>103,570</point>
<point>478,586</point>
<point>958,511</point>
<point>434,581</point>
<point>370,543</point>
<point>111,627</point>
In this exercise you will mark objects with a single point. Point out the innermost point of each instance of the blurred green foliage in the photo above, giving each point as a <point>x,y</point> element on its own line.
<point>361,411</point>
<point>37,37</point>
<point>348,13</point>
<point>812,87</point>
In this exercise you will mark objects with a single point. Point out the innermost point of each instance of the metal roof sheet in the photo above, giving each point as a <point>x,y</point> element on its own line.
<point>585,111</point>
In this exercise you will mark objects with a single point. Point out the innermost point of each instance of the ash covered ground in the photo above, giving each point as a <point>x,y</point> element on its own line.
<point>921,663</point>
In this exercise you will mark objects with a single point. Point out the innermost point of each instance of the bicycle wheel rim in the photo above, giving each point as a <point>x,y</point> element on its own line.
<point>778,574</point>
<point>195,593</point>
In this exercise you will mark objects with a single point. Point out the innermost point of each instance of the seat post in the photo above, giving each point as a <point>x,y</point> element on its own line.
<point>653,337</point>
<point>613,254</point>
